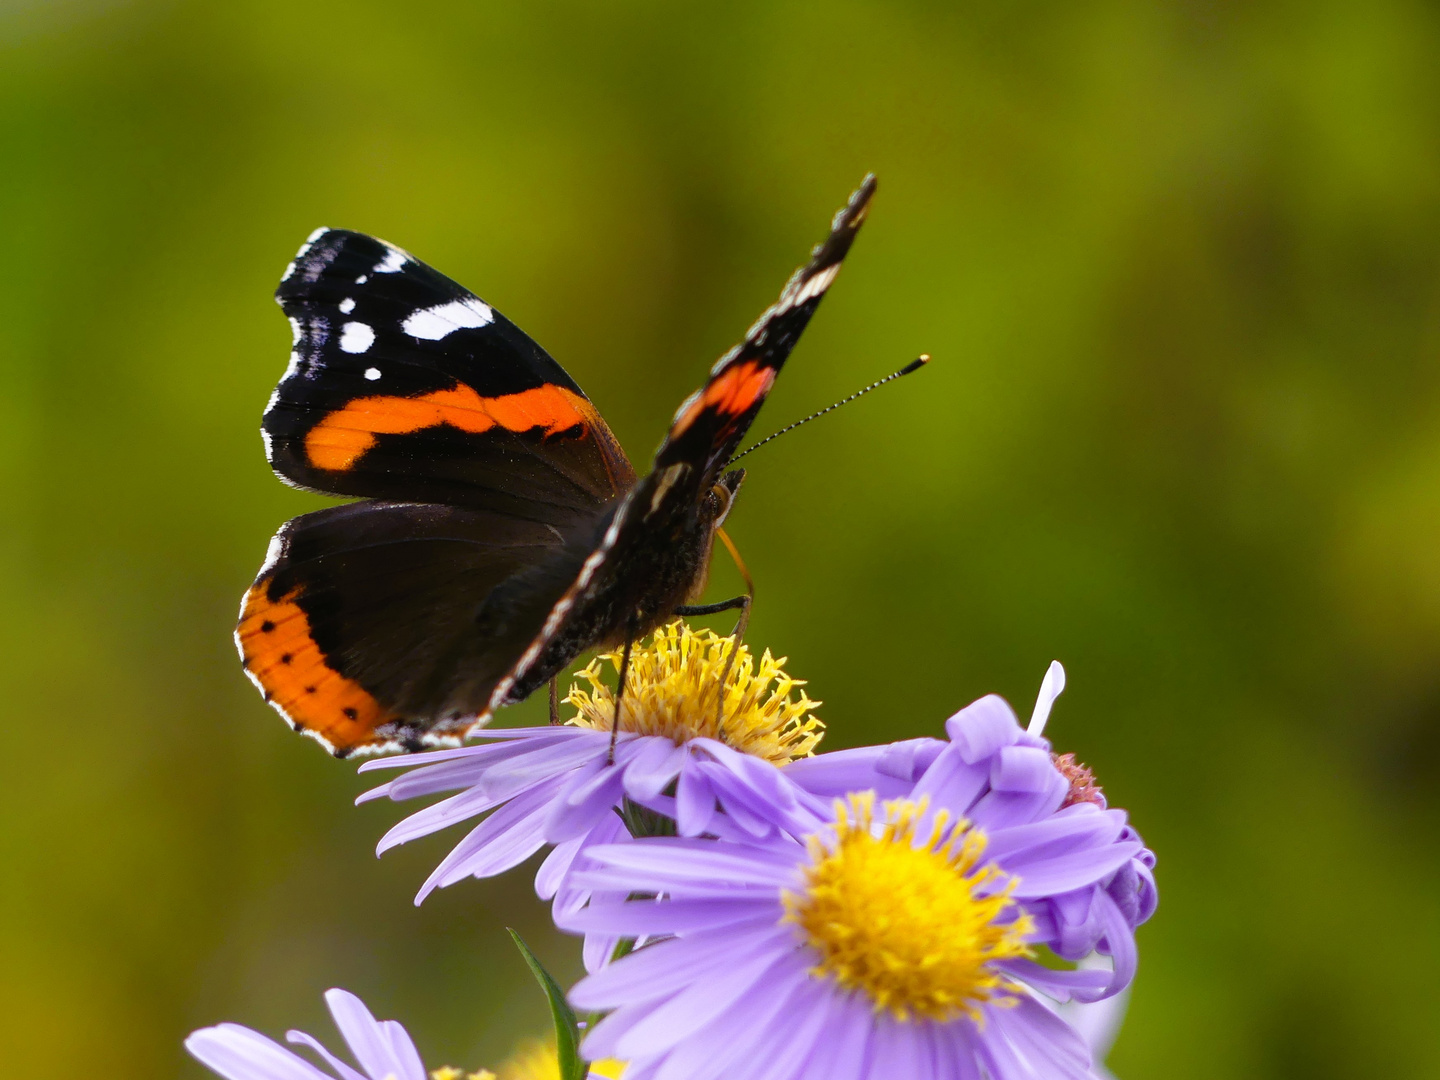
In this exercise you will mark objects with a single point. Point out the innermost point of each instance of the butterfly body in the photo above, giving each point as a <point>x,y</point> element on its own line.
<point>501,530</point>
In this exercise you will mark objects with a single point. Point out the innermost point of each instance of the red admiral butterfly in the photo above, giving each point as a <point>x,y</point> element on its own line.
<point>501,529</point>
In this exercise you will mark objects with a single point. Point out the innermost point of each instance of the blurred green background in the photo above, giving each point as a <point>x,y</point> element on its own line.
<point>1178,267</point>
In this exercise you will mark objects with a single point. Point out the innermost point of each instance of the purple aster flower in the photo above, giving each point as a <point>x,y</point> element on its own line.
<point>894,942</point>
<point>1000,776</point>
<point>675,757</point>
<point>382,1048</point>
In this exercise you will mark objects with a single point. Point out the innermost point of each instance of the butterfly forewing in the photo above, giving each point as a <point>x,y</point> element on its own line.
<point>711,422</point>
<point>663,528</point>
<point>404,385</point>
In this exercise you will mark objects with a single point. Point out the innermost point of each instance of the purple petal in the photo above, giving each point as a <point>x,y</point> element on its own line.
<point>655,918</point>
<point>1024,768</point>
<point>381,1049</point>
<point>432,819</point>
<point>459,768</point>
<point>711,1052</point>
<point>961,1049</point>
<point>695,800</point>
<point>597,950</point>
<point>895,1049</point>
<point>951,783</point>
<point>695,1006</point>
<point>936,1064</point>
<point>1054,835</point>
<point>746,1037</point>
<point>506,838</point>
<point>744,806</point>
<point>586,798</point>
<point>670,864</point>
<point>1006,809</point>
<point>600,1040</point>
<point>1098,1023</point>
<point>838,773</point>
<point>843,1045</point>
<point>907,760</point>
<point>661,970</point>
<point>238,1053</point>
<point>657,762</point>
<point>543,761</point>
<point>1119,942</point>
<point>1081,984</point>
<point>1047,877</point>
<point>556,865</point>
<point>415,761</point>
<point>804,1017</point>
<point>983,728</point>
<point>1051,1046</point>
<point>342,1068</point>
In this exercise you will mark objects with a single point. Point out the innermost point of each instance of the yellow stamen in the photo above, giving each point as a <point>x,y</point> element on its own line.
<point>913,921</point>
<point>534,1060</point>
<point>670,690</point>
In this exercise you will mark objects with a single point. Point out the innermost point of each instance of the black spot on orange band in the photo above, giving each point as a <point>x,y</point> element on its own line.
<point>279,651</point>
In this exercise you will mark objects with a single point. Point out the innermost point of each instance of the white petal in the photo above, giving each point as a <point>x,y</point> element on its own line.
<point>1051,687</point>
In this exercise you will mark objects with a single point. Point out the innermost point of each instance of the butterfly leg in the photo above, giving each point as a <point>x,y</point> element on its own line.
<point>554,700</point>
<point>741,602</point>
<point>631,629</point>
<point>714,609</point>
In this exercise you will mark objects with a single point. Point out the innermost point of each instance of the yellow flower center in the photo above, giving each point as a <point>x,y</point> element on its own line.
<point>671,687</point>
<point>534,1060</point>
<point>912,921</point>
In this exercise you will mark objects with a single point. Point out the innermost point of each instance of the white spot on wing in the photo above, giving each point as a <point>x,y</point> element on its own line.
<point>434,323</point>
<point>372,373</point>
<point>362,279</point>
<point>295,331</point>
<point>816,285</point>
<point>685,405</point>
<point>391,264</point>
<point>356,337</point>
<point>309,242</point>
<point>668,479</point>
<point>724,361</point>
<point>347,305</point>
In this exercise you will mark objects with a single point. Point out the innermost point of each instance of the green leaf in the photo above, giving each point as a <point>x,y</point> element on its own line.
<point>567,1028</point>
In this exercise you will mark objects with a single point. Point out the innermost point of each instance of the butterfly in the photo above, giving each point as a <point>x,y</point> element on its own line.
<point>500,530</point>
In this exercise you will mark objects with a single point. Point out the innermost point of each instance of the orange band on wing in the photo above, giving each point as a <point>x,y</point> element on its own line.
<point>340,439</point>
<point>282,657</point>
<point>731,394</point>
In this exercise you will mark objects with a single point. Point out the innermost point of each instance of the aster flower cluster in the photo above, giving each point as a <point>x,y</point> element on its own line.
<point>960,907</point>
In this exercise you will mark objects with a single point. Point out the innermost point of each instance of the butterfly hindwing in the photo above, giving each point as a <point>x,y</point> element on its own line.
<point>403,385</point>
<point>380,625</point>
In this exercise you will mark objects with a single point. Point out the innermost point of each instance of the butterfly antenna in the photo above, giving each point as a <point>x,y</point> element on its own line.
<point>914,365</point>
